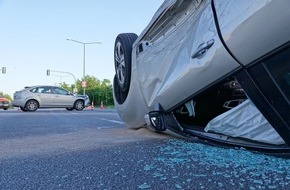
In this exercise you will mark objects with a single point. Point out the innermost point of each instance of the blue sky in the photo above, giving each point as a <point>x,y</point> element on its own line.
<point>34,32</point>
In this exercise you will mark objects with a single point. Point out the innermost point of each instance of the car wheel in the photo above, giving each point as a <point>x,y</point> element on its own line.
<point>31,105</point>
<point>79,105</point>
<point>69,109</point>
<point>122,57</point>
<point>5,108</point>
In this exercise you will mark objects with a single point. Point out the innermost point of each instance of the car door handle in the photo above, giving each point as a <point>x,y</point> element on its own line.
<point>202,49</point>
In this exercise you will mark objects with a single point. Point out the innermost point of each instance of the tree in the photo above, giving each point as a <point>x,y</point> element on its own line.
<point>107,92</point>
<point>98,91</point>
<point>66,86</point>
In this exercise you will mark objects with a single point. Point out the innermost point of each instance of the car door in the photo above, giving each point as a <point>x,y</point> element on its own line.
<point>44,96</point>
<point>62,98</point>
<point>181,54</point>
<point>251,29</point>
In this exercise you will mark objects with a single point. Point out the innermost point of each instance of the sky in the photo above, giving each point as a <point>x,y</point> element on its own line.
<point>33,38</point>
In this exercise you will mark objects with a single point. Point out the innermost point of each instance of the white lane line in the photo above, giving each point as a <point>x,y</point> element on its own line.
<point>112,121</point>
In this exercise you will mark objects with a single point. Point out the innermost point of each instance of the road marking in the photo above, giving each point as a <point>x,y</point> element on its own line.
<point>109,120</point>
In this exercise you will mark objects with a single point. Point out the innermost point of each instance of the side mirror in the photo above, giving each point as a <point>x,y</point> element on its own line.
<point>157,120</point>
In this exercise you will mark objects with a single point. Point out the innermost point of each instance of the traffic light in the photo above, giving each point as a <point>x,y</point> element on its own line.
<point>47,72</point>
<point>3,70</point>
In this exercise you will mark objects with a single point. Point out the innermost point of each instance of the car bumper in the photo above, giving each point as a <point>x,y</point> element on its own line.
<point>4,105</point>
<point>87,102</point>
<point>17,103</point>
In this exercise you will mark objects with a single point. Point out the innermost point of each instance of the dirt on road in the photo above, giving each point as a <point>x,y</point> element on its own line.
<point>73,141</point>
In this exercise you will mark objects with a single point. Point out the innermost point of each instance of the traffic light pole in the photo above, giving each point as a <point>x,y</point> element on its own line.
<point>48,71</point>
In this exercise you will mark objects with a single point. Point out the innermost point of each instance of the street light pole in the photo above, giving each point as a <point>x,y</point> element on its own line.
<point>84,63</point>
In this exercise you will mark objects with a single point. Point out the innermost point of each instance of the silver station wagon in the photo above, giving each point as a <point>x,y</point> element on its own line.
<point>215,71</point>
<point>32,98</point>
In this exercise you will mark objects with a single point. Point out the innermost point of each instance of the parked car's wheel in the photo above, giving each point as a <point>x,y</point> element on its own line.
<point>122,56</point>
<point>31,105</point>
<point>79,105</point>
<point>5,108</point>
<point>69,109</point>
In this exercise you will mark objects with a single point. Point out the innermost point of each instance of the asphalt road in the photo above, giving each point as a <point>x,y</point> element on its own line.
<point>57,149</point>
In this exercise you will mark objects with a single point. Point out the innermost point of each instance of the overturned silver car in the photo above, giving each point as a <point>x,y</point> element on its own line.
<point>214,70</point>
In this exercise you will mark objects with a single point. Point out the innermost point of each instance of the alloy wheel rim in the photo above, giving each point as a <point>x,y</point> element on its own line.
<point>79,105</point>
<point>32,106</point>
<point>120,64</point>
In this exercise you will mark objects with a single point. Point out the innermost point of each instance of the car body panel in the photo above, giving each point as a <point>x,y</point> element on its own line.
<point>61,98</point>
<point>133,117</point>
<point>44,96</point>
<point>166,65</point>
<point>266,20</point>
<point>46,99</point>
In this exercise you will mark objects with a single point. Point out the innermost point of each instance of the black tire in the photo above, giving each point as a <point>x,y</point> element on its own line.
<point>5,108</point>
<point>79,105</point>
<point>69,109</point>
<point>31,105</point>
<point>122,59</point>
